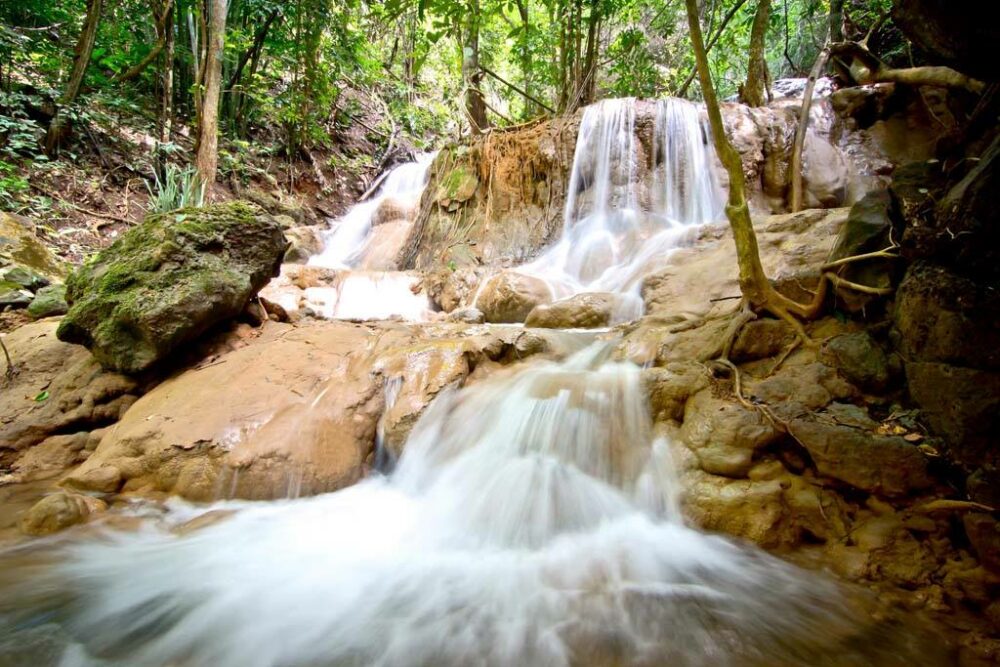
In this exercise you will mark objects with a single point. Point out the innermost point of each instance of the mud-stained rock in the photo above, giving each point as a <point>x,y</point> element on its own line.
<point>467,315</point>
<point>510,296</point>
<point>724,434</point>
<point>168,280</point>
<point>303,243</point>
<point>859,358</point>
<point>60,390</point>
<point>59,511</point>
<point>885,465</point>
<point>582,311</point>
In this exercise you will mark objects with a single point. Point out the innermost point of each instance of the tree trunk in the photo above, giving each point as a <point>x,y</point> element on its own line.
<point>165,116</point>
<point>836,20</point>
<point>795,164</point>
<point>207,158</point>
<point>475,105</point>
<point>162,17</point>
<point>711,42</point>
<point>756,288</point>
<point>754,91</point>
<point>81,59</point>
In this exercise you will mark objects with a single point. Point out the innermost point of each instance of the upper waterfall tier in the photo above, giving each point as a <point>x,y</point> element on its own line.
<point>629,202</point>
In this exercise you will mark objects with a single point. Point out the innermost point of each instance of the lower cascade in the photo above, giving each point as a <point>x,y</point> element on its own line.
<point>531,520</point>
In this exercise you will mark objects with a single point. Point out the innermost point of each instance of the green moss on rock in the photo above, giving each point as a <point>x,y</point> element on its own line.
<point>168,280</point>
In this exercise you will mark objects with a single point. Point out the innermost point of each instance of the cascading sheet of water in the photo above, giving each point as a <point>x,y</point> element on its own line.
<point>372,295</point>
<point>345,243</point>
<point>626,210</point>
<point>532,520</point>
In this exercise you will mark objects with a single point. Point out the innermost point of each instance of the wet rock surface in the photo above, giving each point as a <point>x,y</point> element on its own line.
<point>510,297</point>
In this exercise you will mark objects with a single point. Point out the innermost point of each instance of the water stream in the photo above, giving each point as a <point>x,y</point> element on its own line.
<point>532,519</point>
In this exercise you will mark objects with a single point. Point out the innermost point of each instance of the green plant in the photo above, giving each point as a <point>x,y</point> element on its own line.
<point>179,188</point>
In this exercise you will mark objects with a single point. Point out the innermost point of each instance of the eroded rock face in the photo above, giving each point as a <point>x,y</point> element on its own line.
<point>168,280</point>
<point>510,296</point>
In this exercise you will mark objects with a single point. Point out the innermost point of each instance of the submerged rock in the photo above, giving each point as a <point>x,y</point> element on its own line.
<point>511,296</point>
<point>168,280</point>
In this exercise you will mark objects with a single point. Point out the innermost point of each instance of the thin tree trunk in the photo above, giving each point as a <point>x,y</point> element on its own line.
<point>836,20</point>
<point>475,106</point>
<point>754,91</point>
<point>753,281</point>
<point>165,118</point>
<point>81,59</point>
<point>207,158</point>
<point>795,163</point>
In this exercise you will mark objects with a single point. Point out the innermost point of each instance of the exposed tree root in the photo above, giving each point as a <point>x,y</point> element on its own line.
<point>11,369</point>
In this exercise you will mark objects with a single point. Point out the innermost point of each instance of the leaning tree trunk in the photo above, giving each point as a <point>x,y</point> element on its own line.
<point>757,290</point>
<point>206,161</point>
<point>795,164</point>
<point>754,91</point>
<point>81,59</point>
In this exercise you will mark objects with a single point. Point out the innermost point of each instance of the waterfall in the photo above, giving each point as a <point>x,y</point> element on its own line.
<point>531,520</point>
<point>626,210</point>
<point>349,236</point>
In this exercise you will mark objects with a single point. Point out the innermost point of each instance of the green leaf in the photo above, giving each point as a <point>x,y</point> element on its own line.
<point>42,396</point>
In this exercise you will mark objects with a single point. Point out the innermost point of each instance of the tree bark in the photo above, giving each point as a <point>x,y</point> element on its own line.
<point>836,20</point>
<point>754,91</point>
<point>81,59</point>
<point>207,158</point>
<point>475,106</point>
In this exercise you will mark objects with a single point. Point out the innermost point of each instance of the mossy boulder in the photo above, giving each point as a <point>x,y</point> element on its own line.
<point>168,280</point>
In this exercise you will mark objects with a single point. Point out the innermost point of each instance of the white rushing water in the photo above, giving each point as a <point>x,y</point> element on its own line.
<point>345,243</point>
<point>532,520</point>
<point>627,210</point>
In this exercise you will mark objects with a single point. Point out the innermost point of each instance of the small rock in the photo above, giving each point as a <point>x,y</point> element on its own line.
<point>467,315</point>
<point>760,339</point>
<point>48,302</point>
<point>511,296</point>
<point>25,277</point>
<point>304,242</point>
<point>59,511</point>
<point>104,479</point>
<point>14,297</point>
<point>582,311</point>
<point>860,359</point>
<point>723,434</point>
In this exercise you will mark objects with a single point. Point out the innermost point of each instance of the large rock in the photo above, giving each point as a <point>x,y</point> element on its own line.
<point>859,358</point>
<point>303,243</point>
<point>510,296</point>
<point>168,280</point>
<point>868,229</point>
<point>724,434</point>
<point>583,311</point>
<point>942,317</point>
<point>299,410</point>
<point>48,302</point>
<point>885,465</point>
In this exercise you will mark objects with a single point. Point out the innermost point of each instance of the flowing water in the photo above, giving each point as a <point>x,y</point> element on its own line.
<point>627,210</point>
<point>532,518</point>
